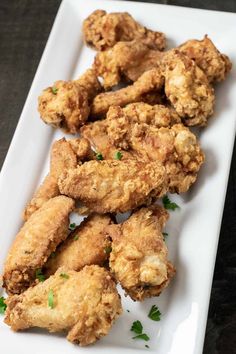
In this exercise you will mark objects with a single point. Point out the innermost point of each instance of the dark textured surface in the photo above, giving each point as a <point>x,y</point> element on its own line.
<point>24,29</point>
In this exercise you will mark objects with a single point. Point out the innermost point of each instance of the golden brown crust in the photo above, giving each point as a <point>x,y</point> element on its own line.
<point>214,64</point>
<point>150,81</point>
<point>65,154</point>
<point>102,31</point>
<point>85,305</point>
<point>88,244</point>
<point>139,254</point>
<point>34,243</point>
<point>114,186</point>
<point>187,88</point>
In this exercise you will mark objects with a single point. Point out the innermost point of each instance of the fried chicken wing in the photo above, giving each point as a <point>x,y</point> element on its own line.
<point>87,245</point>
<point>139,254</point>
<point>66,104</point>
<point>187,88</point>
<point>65,154</point>
<point>34,243</point>
<point>102,30</point>
<point>85,304</point>
<point>114,186</point>
<point>150,81</point>
<point>214,64</point>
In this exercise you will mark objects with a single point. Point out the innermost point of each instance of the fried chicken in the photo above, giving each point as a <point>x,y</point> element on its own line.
<point>214,64</point>
<point>65,154</point>
<point>66,104</point>
<point>187,88</point>
<point>87,245</point>
<point>139,254</point>
<point>34,243</point>
<point>114,186</point>
<point>150,81</point>
<point>102,31</point>
<point>85,304</point>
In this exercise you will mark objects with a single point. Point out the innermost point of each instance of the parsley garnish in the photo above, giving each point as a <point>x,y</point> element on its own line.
<point>168,204</point>
<point>39,275</point>
<point>118,155</point>
<point>142,336</point>
<point>72,226</point>
<point>51,299</point>
<point>76,237</point>
<point>165,234</point>
<point>3,306</point>
<point>53,255</point>
<point>54,90</point>
<point>147,346</point>
<point>154,313</point>
<point>138,329</point>
<point>99,156</point>
<point>128,310</point>
<point>107,249</point>
<point>64,275</point>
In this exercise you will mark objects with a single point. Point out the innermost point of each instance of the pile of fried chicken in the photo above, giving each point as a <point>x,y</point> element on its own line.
<point>133,145</point>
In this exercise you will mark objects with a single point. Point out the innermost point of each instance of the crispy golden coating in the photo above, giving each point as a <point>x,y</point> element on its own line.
<point>102,31</point>
<point>66,104</point>
<point>214,64</point>
<point>187,88</point>
<point>114,186</point>
<point>34,243</point>
<point>150,81</point>
<point>120,121</point>
<point>85,304</point>
<point>127,60</point>
<point>65,154</point>
<point>87,245</point>
<point>139,254</point>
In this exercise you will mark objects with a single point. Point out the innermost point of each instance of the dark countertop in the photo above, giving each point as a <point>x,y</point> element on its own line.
<point>24,29</point>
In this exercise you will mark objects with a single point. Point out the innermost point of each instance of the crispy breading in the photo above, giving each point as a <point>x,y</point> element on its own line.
<point>139,254</point>
<point>114,186</point>
<point>214,64</point>
<point>127,60</point>
<point>102,30</point>
<point>150,81</point>
<point>34,243</point>
<point>187,88</point>
<point>87,245</point>
<point>65,154</point>
<point>119,121</point>
<point>66,104</point>
<point>84,304</point>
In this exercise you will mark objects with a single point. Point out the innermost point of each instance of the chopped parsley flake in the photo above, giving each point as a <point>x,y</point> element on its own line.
<point>165,234</point>
<point>137,328</point>
<point>72,226</point>
<point>3,306</point>
<point>54,90</point>
<point>51,299</point>
<point>168,204</point>
<point>147,346</point>
<point>142,336</point>
<point>107,249</point>
<point>118,155</point>
<point>76,237</point>
<point>39,275</point>
<point>128,310</point>
<point>99,156</point>
<point>154,313</point>
<point>64,275</point>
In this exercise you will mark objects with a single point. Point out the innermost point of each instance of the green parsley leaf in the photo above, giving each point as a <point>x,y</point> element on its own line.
<point>39,275</point>
<point>64,275</point>
<point>99,156</point>
<point>154,313</point>
<point>3,306</point>
<point>165,234</point>
<point>54,90</point>
<point>137,327</point>
<point>168,204</point>
<point>53,255</point>
<point>72,226</point>
<point>142,336</point>
<point>118,155</point>
<point>76,237</point>
<point>51,299</point>
<point>147,346</point>
<point>107,249</point>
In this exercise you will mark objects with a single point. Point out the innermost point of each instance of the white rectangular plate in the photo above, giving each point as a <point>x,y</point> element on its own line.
<point>193,230</point>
